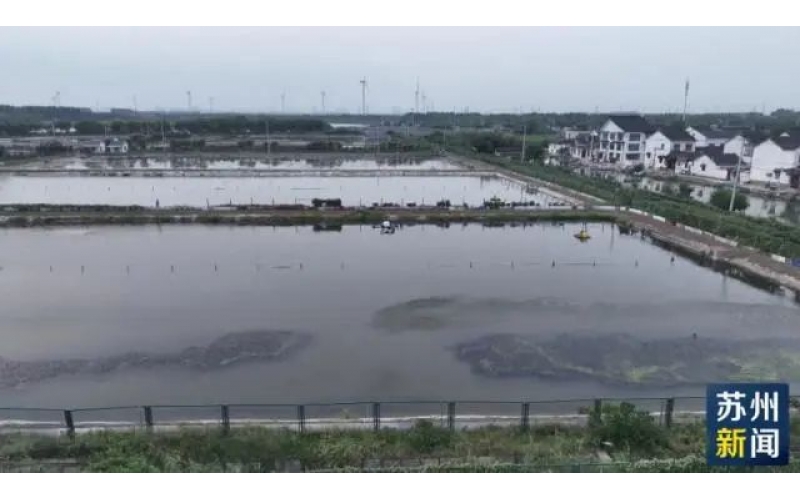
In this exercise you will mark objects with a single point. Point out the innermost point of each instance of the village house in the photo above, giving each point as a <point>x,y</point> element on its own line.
<point>622,140</point>
<point>116,146</point>
<point>743,143</point>
<point>91,146</point>
<point>577,149</point>
<point>667,147</point>
<point>776,161</point>
<point>570,134</point>
<point>508,152</point>
<point>715,163</point>
<point>704,137</point>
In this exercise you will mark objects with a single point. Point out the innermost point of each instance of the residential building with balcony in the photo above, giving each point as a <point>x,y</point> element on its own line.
<point>621,140</point>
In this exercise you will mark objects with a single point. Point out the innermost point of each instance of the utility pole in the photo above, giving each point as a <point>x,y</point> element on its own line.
<point>363,83</point>
<point>266,128</point>
<point>135,107</point>
<point>210,104</point>
<point>322,94</point>
<point>685,100</point>
<point>416,102</point>
<point>188,100</point>
<point>283,102</point>
<point>736,178</point>
<point>163,135</point>
<point>522,153</point>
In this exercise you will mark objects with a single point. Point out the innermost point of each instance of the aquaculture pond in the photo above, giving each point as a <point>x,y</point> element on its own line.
<point>199,314</point>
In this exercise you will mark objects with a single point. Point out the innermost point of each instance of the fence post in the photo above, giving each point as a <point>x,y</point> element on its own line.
<point>148,418</point>
<point>226,419</point>
<point>376,416</point>
<point>598,411</point>
<point>668,412</point>
<point>301,418</point>
<point>451,416</point>
<point>69,423</point>
<point>526,412</point>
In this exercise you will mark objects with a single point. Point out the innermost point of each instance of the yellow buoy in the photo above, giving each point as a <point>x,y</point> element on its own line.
<point>583,234</point>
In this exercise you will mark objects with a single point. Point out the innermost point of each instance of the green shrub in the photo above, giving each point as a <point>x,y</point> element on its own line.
<point>721,198</point>
<point>626,428</point>
<point>425,437</point>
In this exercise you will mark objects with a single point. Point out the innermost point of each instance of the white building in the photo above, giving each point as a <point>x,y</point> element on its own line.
<point>660,144</point>
<point>569,134</point>
<point>566,151</point>
<point>777,161</point>
<point>710,137</point>
<point>116,146</point>
<point>92,146</point>
<point>742,144</point>
<point>622,140</point>
<point>714,163</point>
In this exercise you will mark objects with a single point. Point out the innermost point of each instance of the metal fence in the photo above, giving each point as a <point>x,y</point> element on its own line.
<point>342,416</point>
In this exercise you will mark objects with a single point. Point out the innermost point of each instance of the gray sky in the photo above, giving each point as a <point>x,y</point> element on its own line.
<point>486,69</point>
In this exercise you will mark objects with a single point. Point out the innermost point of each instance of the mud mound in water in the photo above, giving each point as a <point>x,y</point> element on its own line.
<point>624,359</point>
<point>709,317</point>
<point>231,349</point>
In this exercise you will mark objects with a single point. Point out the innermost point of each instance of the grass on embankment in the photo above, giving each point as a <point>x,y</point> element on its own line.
<point>304,217</point>
<point>625,433</point>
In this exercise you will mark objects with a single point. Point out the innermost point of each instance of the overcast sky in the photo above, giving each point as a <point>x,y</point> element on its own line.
<point>485,69</point>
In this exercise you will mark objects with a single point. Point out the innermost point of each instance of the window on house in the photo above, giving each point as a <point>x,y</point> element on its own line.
<point>633,147</point>
<point>635,137</point>
<point>634,156</point>
<point>662,146</point>
<point>648,155</point>
<point>703,167</point>
<point>676,147</point>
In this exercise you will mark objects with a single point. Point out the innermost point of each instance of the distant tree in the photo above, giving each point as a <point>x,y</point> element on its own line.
<point>90,128</point>
<point>721,198</point>
<point>535,152</point>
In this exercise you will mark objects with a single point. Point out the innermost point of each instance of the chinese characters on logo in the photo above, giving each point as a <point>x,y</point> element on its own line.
<point>748,424</point>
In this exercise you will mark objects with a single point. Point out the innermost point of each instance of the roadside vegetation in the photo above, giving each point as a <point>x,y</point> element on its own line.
<point>767,235</point>
<point>618,438</point>
<point>721,199</point>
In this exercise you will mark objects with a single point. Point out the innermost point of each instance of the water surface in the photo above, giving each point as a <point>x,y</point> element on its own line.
<point>383,312</point>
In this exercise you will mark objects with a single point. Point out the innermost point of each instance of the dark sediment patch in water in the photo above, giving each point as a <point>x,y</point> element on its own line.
<point>704,317</point>
<point>228,350</point>
<point>625,360</point>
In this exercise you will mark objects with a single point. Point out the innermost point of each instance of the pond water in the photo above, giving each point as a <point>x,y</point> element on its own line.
<point>148,312</point>
<point>204,191</point>
<point>255,163</point>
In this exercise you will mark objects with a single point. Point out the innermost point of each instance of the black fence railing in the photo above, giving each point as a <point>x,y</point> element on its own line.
<point>371,415</point>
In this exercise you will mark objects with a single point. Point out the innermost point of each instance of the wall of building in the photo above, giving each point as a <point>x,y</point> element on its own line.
<point>735,146</point>
<point>656,145</point>
<point>768,156</point>
<point>711,170</point>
